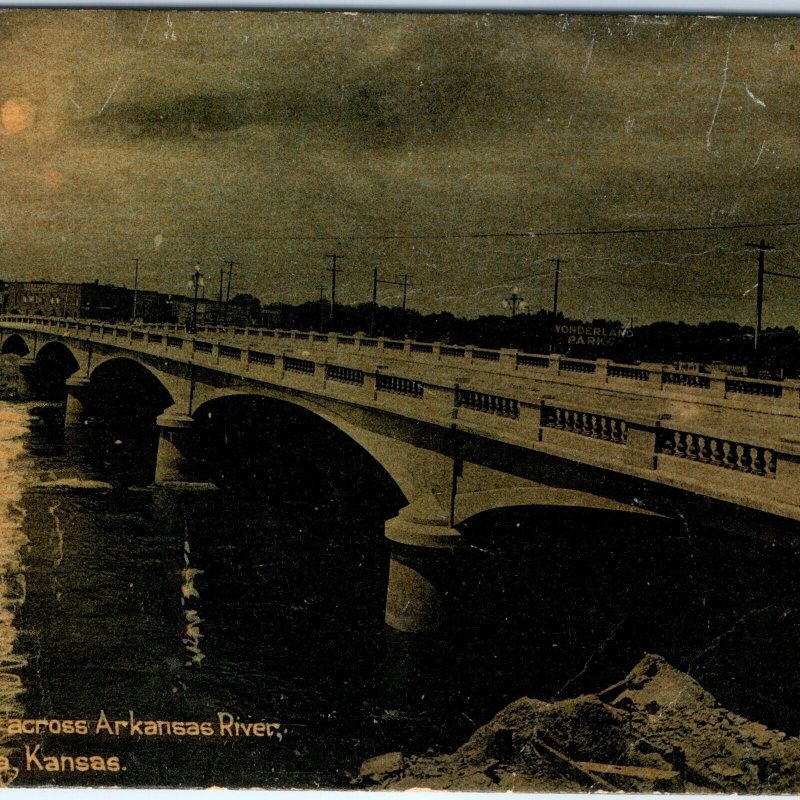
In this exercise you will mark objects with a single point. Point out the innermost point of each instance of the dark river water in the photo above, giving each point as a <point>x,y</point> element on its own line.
<point>265,600</point>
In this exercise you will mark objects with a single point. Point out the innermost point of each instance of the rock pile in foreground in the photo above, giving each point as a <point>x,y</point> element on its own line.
<point>657,730</point>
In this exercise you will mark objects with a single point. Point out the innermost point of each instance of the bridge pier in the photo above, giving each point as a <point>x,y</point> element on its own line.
<point>74,411</point>
<point>28,369</point>
<point>421,560</point>
<point>174,437</point>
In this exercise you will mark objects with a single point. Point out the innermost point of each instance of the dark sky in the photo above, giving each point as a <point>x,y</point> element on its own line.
<point>174,137</point>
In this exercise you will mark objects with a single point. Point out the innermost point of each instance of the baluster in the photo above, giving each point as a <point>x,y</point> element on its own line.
<point>746,459</point>
<point>680,444</point>
<point>693,448</point>
<point>717,453</point>
<point>731,455</point>
<point>667,443</point>
<point>597,427</point>
<point>769,462</point>
<point>759,462</point>
<point>705,449</point>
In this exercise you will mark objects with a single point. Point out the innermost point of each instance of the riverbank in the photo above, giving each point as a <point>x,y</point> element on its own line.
<point>657,730</point>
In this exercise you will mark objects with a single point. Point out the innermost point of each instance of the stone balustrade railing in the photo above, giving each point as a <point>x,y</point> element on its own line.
<point>659,377</point>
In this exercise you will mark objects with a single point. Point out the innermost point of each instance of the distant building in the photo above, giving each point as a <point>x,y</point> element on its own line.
<point>45,298</point>
<point>116,304</point>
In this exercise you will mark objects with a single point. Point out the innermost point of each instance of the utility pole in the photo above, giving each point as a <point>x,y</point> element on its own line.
<point>219,306</point>
<point>321,306</point>
<point>406,284</point>
<point>558,262</point>
<point>135,286</point>
<point>333,269</point>
<point>762,248</point>
<point>374,301</point>
<point>231,265</point>
<point>375,281</point>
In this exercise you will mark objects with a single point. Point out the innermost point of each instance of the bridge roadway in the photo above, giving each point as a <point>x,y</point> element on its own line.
<point>463,431</point>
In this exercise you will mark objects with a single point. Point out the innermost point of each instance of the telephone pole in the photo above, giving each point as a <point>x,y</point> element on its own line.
<point>558,262</point>
<point>406,285</point>
<point>135,286</point>
<point>762,248</point>
<point>221,283</point>
<point>231,265</point>
<point>374,301</point>
<point>334,270</point>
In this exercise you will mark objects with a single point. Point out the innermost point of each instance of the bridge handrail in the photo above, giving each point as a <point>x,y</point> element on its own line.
<point>663,376</point>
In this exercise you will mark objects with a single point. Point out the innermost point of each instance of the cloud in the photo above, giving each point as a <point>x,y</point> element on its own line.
<point>220,130</point>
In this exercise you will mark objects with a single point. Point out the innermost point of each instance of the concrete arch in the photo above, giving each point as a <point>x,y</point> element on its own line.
<point>57,353</point>
<point>15,344</point>
<point>388,453</point>
<point>473,504</point>
<point>176,390</point>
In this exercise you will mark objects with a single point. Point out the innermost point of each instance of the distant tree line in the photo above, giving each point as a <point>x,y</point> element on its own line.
<point>705,343</point>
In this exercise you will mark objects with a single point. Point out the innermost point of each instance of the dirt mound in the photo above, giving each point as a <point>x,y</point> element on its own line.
<point>657,730</point>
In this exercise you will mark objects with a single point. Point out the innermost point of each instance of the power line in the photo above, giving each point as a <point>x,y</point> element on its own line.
<point>474,234</point>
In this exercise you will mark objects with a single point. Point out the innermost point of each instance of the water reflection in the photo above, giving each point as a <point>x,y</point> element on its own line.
<point>269,605</point>
<point>190,601</point>
<point>13,587</point>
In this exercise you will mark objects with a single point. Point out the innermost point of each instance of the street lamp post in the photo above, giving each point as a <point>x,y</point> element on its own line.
<point>515,302</point>
<point>197,282</point>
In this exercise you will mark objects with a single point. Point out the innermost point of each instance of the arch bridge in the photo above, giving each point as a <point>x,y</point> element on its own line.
<point>462,431</point>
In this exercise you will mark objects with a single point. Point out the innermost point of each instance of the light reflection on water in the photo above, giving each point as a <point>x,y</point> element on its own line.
<point>168,605</point>
<point>190,599</point>
<point>13,428</point>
